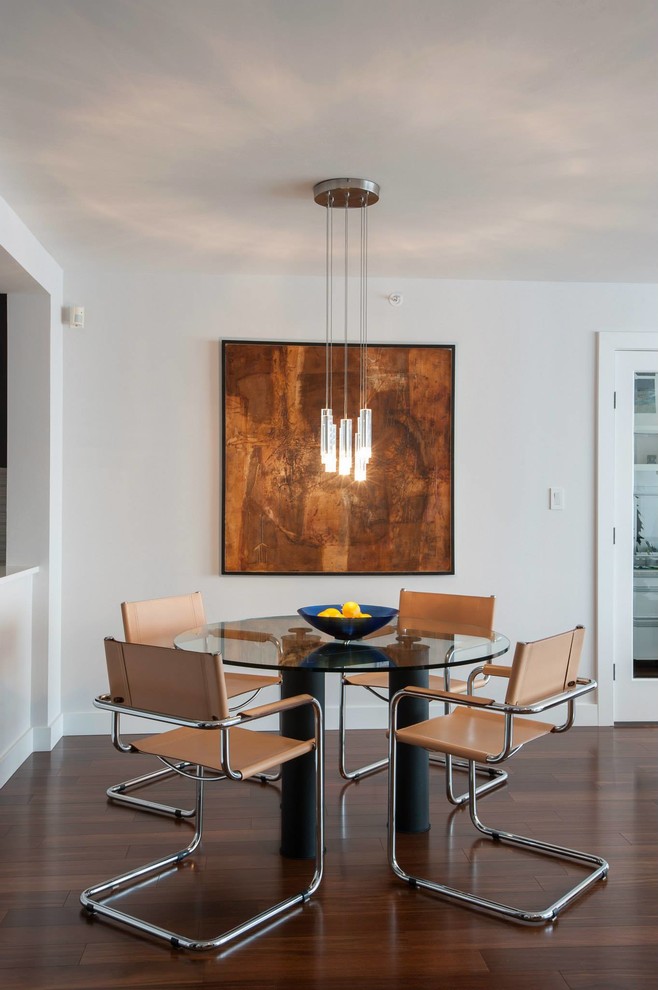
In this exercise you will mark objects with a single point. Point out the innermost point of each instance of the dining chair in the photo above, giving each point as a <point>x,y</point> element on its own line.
<point>428,614</point>
<point>155,622</point>
<point>209,744</point>
<point>542,676</point>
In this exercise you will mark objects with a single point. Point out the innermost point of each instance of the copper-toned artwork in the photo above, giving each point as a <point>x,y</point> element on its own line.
<point>284,515</point>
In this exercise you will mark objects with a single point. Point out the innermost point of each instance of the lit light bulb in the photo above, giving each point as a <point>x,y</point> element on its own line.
<point>365,432</point>
<point>360,459</point>
<point>326,424</point>
<point>330,462</point>
<point>345,448</point>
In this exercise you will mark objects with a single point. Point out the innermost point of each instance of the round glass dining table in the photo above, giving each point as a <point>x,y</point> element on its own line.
<point>303,656</point>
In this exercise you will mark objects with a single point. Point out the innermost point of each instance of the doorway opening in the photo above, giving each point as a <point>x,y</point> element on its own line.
<point>627,524</point>
<point>3,430</point>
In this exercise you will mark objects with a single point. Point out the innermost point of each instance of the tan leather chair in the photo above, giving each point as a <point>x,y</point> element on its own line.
<point>155,622</point>
<point>543,675</point>
<point>427,613</point>
<point>188,690</point>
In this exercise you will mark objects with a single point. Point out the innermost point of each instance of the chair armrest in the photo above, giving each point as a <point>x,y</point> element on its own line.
<point>463,699</point>
<point>282,705</point>
<point>582,686</point>
<point>496,670</point>
<point>105,702</point>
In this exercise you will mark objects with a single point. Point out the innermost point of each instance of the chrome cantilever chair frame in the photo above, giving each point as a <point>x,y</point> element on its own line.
<point>495,776</point>
<point>542,915</point>
<point>119,793</point>
<point>91,897</point>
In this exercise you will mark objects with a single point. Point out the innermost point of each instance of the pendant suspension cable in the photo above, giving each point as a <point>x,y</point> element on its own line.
<point>359,459</point>
<point>327,427</point>
<point>365,306</point>
<point>347,247</point>
<point>347,194</point>
<point>345,437</point>
<point>363,328</point>
<point>365,413</point>
<point>330,218</point>
<point>327,316</point>
<point>364,427</point>
<point>330,464</point>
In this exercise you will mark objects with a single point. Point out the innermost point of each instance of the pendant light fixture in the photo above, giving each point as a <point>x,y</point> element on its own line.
<point>345,195</point>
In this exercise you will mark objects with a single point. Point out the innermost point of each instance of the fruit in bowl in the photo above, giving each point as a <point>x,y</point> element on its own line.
<point>348,621</point>
<point>350,610</point>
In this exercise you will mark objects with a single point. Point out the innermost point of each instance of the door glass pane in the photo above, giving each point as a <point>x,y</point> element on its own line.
<point>645,495</point>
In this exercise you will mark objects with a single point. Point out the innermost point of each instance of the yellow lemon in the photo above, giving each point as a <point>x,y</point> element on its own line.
<point>364,615</point>
<point>351,610</point>
<point>331,611</point>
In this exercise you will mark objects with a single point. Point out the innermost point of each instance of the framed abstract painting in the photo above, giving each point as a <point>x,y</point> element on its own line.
<point>283,514</point>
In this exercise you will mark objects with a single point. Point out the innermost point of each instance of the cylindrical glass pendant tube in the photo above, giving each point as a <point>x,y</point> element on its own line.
<point>326,421</point>
<point>359,459</point>
<point>330,462</point>
<point>365,432</point>
<point>345,448</point>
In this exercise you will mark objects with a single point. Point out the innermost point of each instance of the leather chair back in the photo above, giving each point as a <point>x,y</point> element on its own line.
<point>172,682</point>
<point>156,621</point>
<point>545,667</point>
<point>434,613</point>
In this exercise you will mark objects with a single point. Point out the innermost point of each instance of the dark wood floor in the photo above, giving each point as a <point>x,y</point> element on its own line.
<point>595,789</point>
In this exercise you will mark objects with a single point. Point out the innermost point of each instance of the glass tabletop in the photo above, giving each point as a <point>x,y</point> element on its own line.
<point>284,641</point>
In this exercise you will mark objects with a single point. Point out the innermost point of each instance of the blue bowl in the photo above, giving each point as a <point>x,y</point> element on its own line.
<point>343,628</point>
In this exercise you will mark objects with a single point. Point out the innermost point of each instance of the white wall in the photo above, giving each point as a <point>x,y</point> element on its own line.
<point>33,282</point>
<point>16,736</point>
<point>28,479</point>
<point>142,458</point>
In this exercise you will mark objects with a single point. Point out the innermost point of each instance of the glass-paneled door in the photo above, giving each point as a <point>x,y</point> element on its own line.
<point>636,537</point>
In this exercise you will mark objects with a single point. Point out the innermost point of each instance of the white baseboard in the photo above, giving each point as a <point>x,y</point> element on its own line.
<point>95,723</point>
<point>98,724</point>
<point>15,756</point>
<point>376,717</point>
<point>371,716</point>
<point>40,739</point>
<point>46,737</point>
<point>587,714</point>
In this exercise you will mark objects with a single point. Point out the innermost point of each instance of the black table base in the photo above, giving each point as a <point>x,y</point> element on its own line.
<point>412,771</point>
<point>298,776</point>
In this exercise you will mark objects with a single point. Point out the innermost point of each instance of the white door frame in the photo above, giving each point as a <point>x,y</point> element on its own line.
<point>609,344</point>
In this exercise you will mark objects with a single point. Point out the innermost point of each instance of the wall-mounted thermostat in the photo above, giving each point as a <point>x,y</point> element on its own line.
<point>77,316</point>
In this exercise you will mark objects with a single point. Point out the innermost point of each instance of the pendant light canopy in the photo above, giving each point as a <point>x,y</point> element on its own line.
<point>344,195</point>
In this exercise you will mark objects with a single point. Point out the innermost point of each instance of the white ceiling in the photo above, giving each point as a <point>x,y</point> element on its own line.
<point>512,139</point>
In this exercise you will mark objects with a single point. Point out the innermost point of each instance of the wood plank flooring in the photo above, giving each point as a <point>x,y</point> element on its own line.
<point>594,789</point>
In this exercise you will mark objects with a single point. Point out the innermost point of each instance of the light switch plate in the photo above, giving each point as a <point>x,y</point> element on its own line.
<point>556,498</point>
